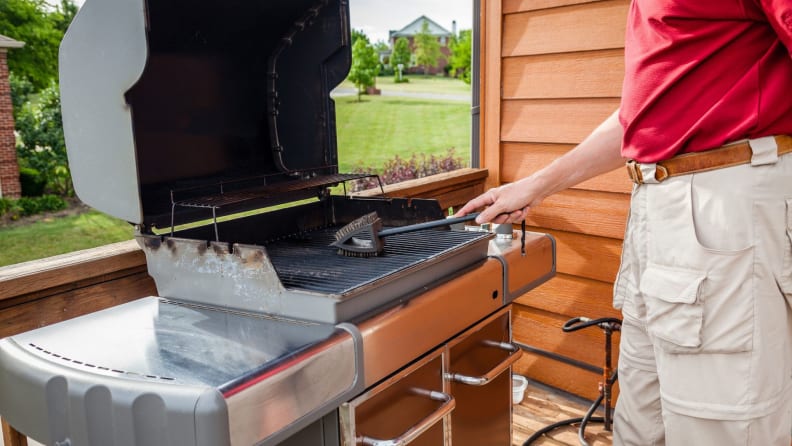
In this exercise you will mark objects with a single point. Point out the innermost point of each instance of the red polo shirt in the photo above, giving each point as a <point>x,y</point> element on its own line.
<point>700,73</point>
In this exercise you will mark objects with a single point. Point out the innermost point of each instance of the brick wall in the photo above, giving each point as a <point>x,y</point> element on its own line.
<point>9,170</point>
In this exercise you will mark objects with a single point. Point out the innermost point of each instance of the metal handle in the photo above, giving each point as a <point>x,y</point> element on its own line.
<point>428,225</point>
<point>412,433</point>
<point>516,353</point>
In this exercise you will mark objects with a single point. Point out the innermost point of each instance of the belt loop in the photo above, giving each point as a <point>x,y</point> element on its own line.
<point>765,151</point>
<point>633,172</point>
<point>649,173</point>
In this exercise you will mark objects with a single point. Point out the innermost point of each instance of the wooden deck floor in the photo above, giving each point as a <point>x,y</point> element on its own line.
<point>543,406</point>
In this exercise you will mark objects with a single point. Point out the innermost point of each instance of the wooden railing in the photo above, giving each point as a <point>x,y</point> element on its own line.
<point>43,292</point>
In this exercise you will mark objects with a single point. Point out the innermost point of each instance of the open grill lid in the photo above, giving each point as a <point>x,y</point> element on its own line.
<point>174,100</point>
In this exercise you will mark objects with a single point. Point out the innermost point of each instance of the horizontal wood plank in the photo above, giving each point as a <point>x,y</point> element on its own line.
<point>603,214</point>
<point>581,27</point>
<point>592,74</point>
<point>586,256</point>
<point>37,275</point>
<point>512,6</point>
<point>560,121</point>
<point>523,159</point>
<point>559,375</point>
<point>451,189</point>
<point>543,330</point>
<point>572,296</point>
<point>47,311</point>
<point>543,406</point>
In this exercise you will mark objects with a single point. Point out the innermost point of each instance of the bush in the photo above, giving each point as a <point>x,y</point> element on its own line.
<point>26,206</point>
<point>41,145</point>
<point>32,182</point>
<point>400,169</point>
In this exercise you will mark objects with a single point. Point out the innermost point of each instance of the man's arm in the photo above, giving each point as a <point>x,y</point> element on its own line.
<point>600,152</point>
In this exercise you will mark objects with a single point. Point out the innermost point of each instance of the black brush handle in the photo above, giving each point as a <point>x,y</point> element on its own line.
<point>427,225</point>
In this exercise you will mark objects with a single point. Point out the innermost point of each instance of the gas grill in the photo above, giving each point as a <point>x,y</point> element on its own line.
<point>209,126</point>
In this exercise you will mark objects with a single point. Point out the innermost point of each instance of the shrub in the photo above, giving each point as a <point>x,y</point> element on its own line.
<point>51,203</point>
<point>41,145</point>
<point>25,206</point>
<point>32,182</point>
<point>402,169</point>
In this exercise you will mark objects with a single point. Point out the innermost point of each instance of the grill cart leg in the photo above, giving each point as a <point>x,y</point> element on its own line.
<point>11,437</point>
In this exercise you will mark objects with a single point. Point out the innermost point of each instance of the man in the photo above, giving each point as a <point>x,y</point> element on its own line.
<point>705,284</point>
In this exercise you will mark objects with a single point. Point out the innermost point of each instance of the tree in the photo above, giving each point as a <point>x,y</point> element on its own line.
<point>461,55</point>
<point>21,89</point>
<point>401,52</point>
<point>358,34</point>
<point>427,48</point>
<point>41,28</point>
<point>41,145</point>
<point>365,65</point>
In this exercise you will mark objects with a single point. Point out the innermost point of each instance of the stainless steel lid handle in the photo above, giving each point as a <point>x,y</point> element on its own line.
<point>515,354</point>
<point>427,422</point>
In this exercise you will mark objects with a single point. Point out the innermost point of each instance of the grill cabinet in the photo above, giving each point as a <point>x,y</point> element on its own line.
<point>209,126</point>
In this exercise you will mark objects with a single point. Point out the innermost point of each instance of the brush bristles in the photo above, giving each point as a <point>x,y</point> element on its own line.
<point>360,254</point>
<point>360,238</point>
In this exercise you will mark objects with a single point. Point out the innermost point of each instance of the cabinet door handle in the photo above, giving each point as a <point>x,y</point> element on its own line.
<point>515,354</point>
<point>413,432</point>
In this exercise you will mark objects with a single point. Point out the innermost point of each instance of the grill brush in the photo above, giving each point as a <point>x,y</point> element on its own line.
<point>364,236</point>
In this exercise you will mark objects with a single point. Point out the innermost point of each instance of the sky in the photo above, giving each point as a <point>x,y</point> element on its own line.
<point>377,17</point>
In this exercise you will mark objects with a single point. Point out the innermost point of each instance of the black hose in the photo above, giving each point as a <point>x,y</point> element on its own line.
<point>588,418</point>
<point>608,325</point>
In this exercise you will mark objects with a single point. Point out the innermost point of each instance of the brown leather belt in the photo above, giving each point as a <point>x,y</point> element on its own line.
<point>725,156</point>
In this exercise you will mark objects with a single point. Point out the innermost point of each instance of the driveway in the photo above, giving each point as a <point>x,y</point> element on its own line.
<point>341,91</point>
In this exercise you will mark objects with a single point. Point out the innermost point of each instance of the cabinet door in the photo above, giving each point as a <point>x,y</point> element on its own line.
<point>479,375</point>
<point>408,408</point>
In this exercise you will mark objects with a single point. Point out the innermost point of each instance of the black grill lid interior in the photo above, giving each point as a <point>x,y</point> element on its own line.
<point>236,90</point>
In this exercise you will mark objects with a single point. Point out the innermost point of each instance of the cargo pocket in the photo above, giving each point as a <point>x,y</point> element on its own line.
<point>674,311</point>
<point>785,277</point>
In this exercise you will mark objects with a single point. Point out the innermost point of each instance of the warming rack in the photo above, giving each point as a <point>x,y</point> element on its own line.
<point>227,193</point>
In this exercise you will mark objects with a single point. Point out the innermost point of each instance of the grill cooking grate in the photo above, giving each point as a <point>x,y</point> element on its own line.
<point>308,262</point>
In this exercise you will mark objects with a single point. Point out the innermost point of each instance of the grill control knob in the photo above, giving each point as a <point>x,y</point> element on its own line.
<point>504,232</point>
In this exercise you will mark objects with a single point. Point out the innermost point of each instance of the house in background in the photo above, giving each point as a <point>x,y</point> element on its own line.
<point>443,38</point>
<point>9,170</point>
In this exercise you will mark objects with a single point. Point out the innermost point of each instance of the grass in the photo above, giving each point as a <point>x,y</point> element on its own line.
<point>55,236</point>
<point>375,130</point>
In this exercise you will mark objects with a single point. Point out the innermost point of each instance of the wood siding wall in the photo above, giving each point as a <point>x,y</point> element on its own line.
<point>552,72</point>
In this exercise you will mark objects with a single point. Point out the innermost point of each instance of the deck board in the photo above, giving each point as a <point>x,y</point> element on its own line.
<point>543,406</point>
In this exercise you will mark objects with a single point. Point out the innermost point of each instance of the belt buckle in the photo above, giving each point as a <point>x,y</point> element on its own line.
<point>634,171</point>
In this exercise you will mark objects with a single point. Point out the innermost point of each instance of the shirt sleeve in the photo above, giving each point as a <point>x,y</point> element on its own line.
<point>779,14</point>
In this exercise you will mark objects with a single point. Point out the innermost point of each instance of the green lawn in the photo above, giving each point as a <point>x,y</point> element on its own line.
<point>60,235</point>
<point>375,130</point>
<point>369,133</point>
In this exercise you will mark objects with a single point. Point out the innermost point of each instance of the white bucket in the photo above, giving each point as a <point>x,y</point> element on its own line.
<point>519,384</point>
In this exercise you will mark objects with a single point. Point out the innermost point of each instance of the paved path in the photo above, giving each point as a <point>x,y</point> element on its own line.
<point>338,92</point>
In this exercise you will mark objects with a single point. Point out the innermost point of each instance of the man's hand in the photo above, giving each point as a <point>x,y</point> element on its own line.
<point>509,203</point>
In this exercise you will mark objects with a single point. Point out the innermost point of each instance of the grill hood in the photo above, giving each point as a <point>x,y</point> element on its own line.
<point>170,95</point>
